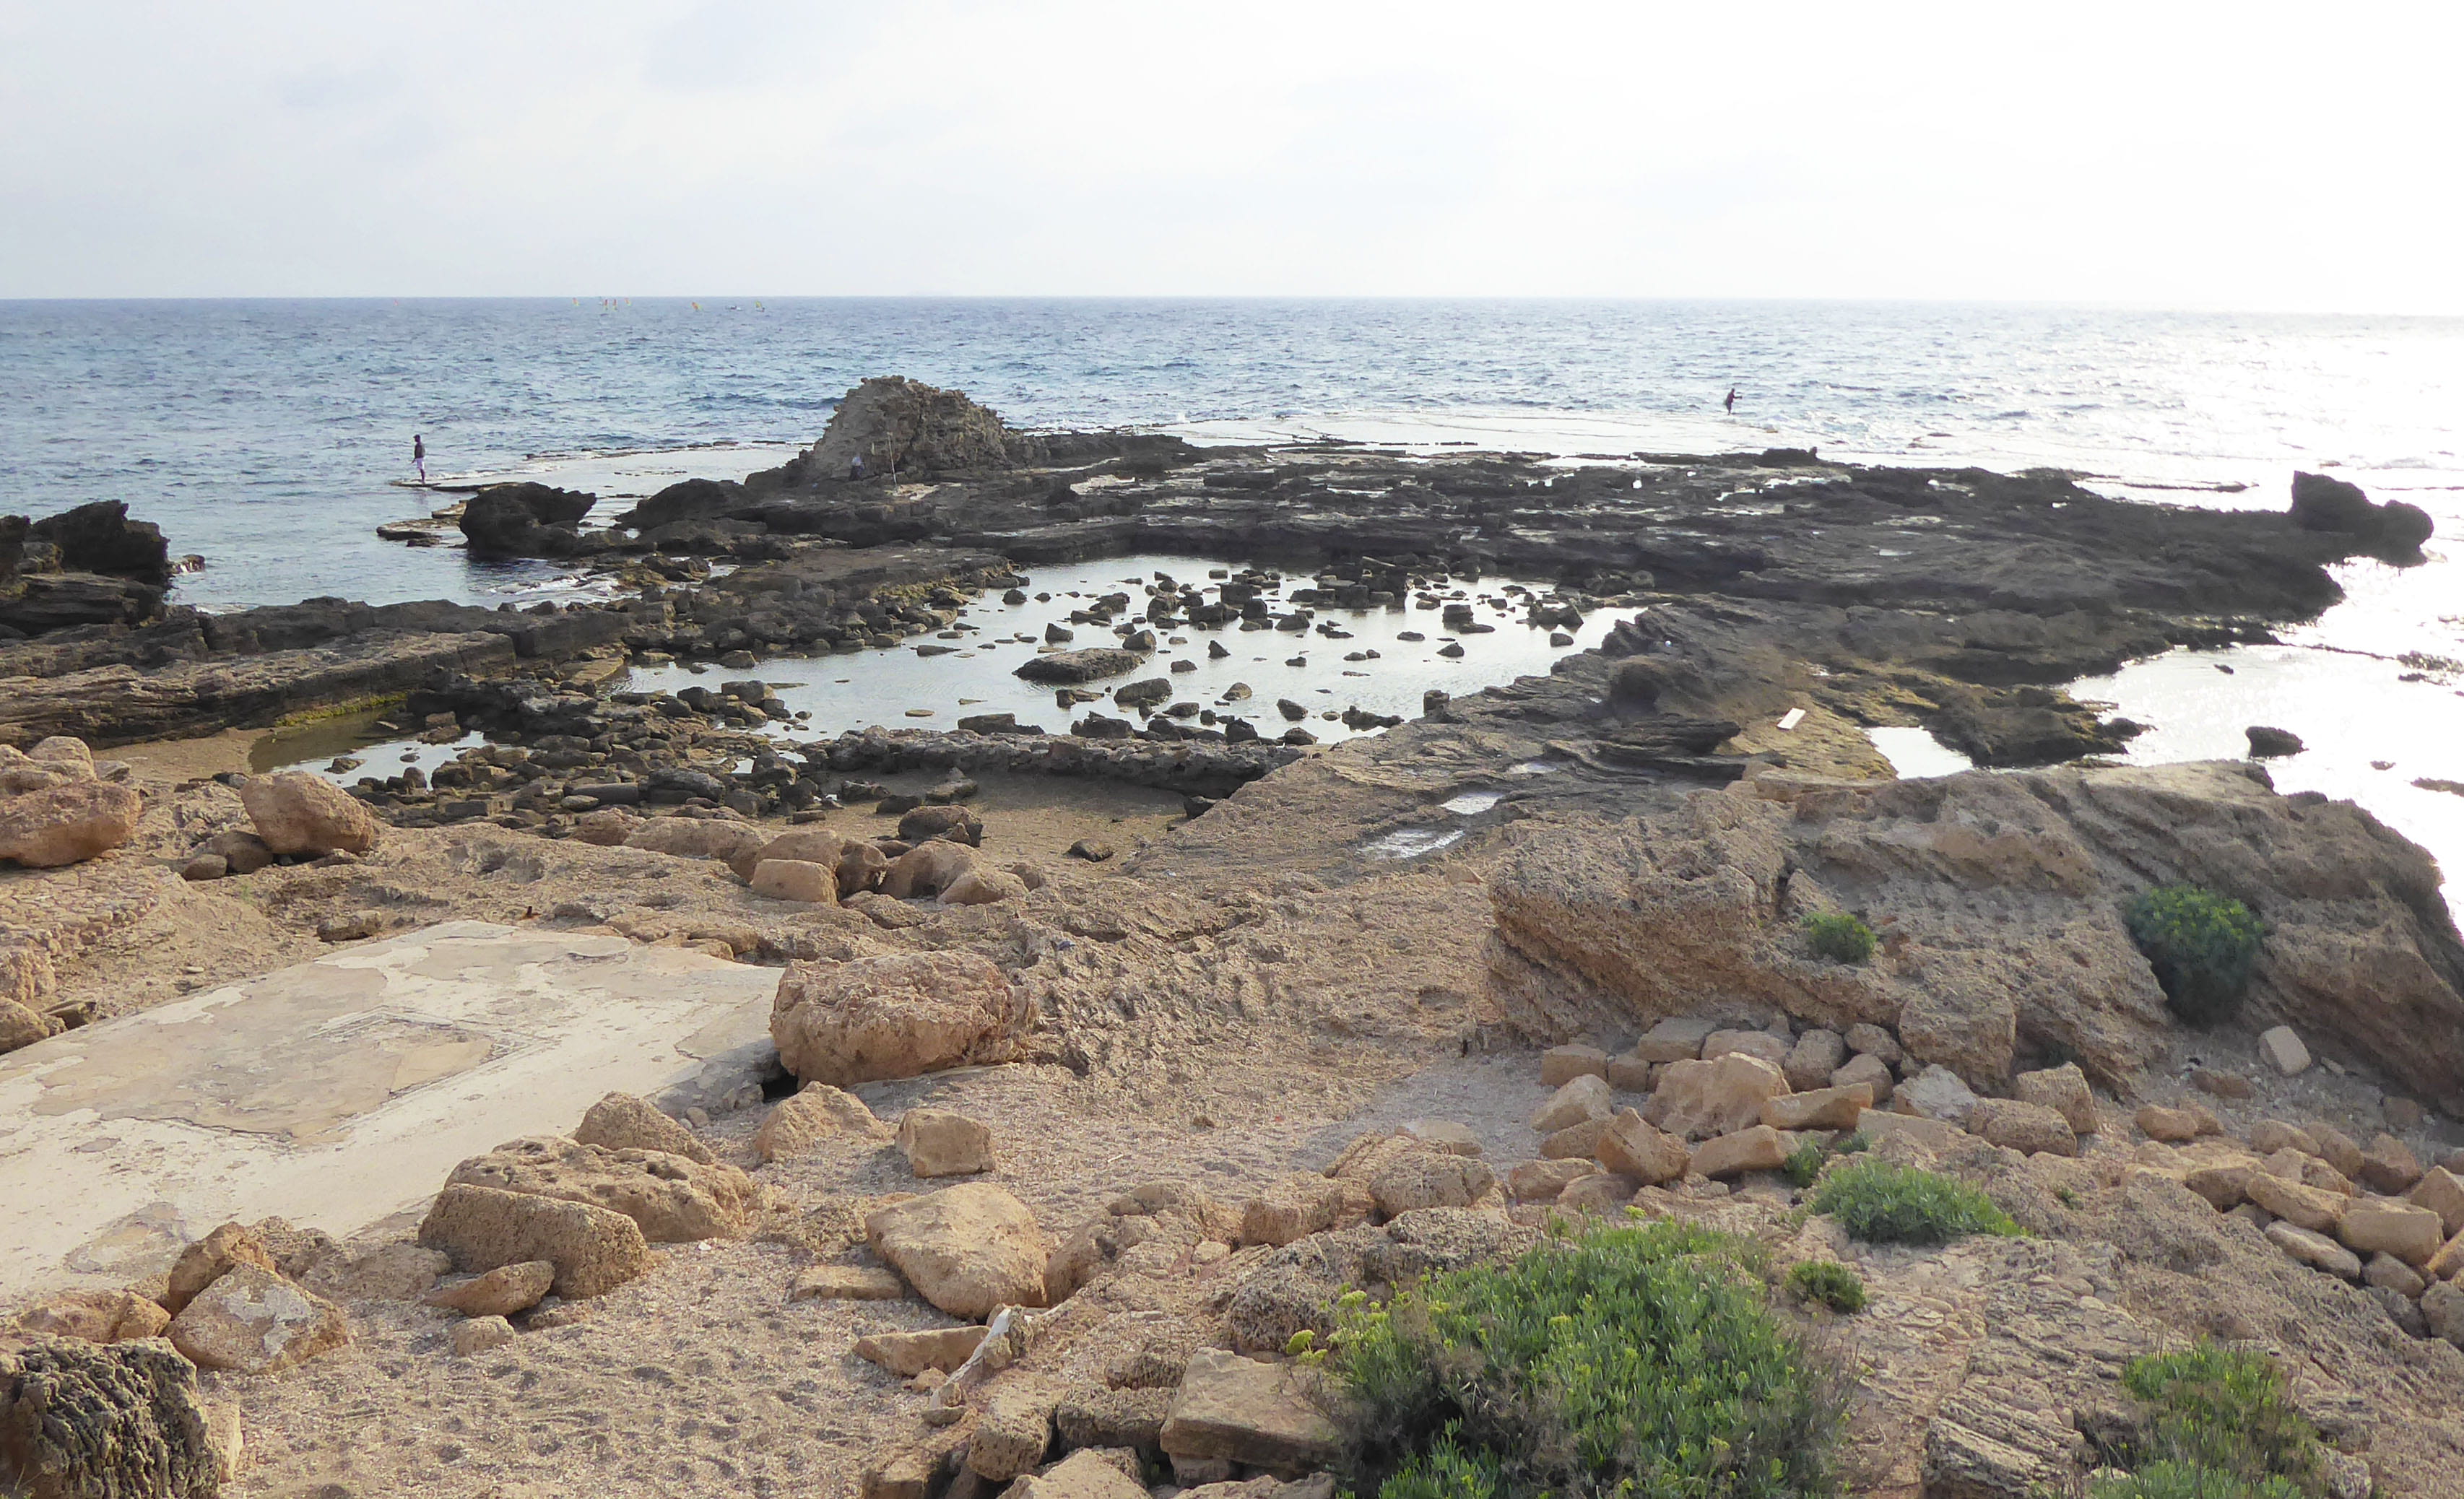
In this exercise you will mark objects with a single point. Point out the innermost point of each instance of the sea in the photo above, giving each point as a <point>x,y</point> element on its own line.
<point>270,438</point>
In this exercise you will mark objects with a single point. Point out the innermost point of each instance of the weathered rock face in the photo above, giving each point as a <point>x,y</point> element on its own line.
<point>68,822</point>
<point>897,1016</point>
<point>895,425</point>
<point>80,1420</point>
<point>2001,899</point>
<point>967,1249</point>
<point>298,813</point>
<point>253,1321</point>
<point>99,538</point>
<point>673,1199</point>
<point>524,520</point>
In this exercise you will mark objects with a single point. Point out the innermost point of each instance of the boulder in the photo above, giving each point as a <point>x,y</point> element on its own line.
<point>2303,1206</point>
<point>621,1121</point>
<point>2030,1129</point>
<point>2283,1050</point>
<point>2269,1136</point>
<point>1013,1430</point>
<point>594,1249</point>
<point>983,886</point>
<point>896,1016</point>
<point>847,1283</point>
<point>98,537</point>
<point>20,1026</point>
<point>954,824</point>
<point>890,425</point>
<point>607,827</point>
<point>2389,1166</point>
<point>1631,1074</point>
<point>95,1317</point>
<point>1698,1100</point>
<point>499,1293</point>
<point>1405,1173</point>
<point>1301,1204</point>
<point>2223,1186</point>
<point>1576,1141</point>
<point>1092,1416</point>
<point>124,1422</point>
<point>2267,743</point>
<point>479,1335</point>
<point>2338,1149</point>
<point>253,1321</point>
<point>1583,1096</point>
<point>2314,1249</point>
<point>927,869</point>
<point>1936,1093</point>
<point>1679,1037</point>
<point>1068,668</point>
<point>808,845</point>
<point>2385,1273</point>
<point>2442,1306</point>
<point>1084,1474</point>
<point>1600,1192</point>
<point>1152,693</point>
<point>939,1143</point>
<point>2441,1192</point>
<point>1562,1065</point>
<point>672,1199</point>
<point>1541,1180</point>
<point>67,823</point>
<point>908,1354</point>
<point>1821,1108</point>
<point>2324,504</point>
<point>1867,1039</point>
<point>967,1249</point>
<point>1817,1055</point>
<point>796,880</point>
<point>2062,1088</point>
<point>299,814</point>
<point>695,837</point>
<point>1242,1411</point>
<point>1753,1043</point>
<point>2173,1125</point>
<point>2411,1234</point>
<point>1761,1148</point>
<point>1632,1148</point>
<point>523,521</point>
<point>816,1113</point>
<point>1865,1069</point>
<point>203,1263</point>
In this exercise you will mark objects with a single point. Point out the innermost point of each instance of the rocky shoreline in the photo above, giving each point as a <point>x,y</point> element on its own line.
<point>1067,1083</point>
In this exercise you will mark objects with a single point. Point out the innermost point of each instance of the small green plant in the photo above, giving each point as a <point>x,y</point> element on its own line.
<point>1880,1201</point>
<point>1640,1360</point>
<point>1842,937</point>
<point>1853,1145</point>
<point>2067,1196</point>
<point>2188,1481</point>
<point>1804,1163</point>
<point>2202,945</point>
<point>1829,1282</point>
<point>2226,1412</point>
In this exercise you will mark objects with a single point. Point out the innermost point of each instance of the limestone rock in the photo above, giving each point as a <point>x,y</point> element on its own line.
<point>983,886</point>
<point>1866,1070</point>
<point>1090,1415</point>
<point>896,1016</point>
<point>2173,1125</point>
<point>2338,1149</point>
<point>796,880</point>
<point>2441,1192</point>
<point>392,1273</point>
<point>1870,1040</point>
<point>1817,1055</point>
<point>594,1249</point>
<point>2303,1206</point>
<point>2389,1166</point>
<point>253,1321</point>
<point>939,1143</point>
<point>1082,1474</point>
<point>607,827</point>
<point>1302,1204</point>
<point>479,1335</point>
<point>1598,1192</point>
<point>1821,1108</point>
<point>1247,1412</point>
<point>1012,1432</point>
<point>1632,1148</point>
<point>695,837</point>
<point>499,1293</point>
<point>1584,1097</point>
<point>95,1317</point>
<point>1445,1134</point>
<point>203,1263</point>
<point>675,1201</point>
<point>847,1283</point>
<point>890,425</point>
<point>1562,1065</point>
<point>908,1354</point>
<point>2028,1128</point>
<point>2386,1273</point>
<point>967,1249</point>
<point>298,813</point>
<point>2223,1186</point>
<point>67,823</point>
<point>621,1121</point>
<point>1761,1148</point>
<point>2062,1088</point>
<point>1541,1180</point>
<point>2283,1050</point>
<point>1630,1074</point>
<point>20,1026</point>
<point>813,1113</point>
<point>820,846</point>
<point>1679,1037</point>
<point>83,1422</point>
<point>2442,1305</point>
<point>1403,1174</point>
<point>1575,1142</point>
<point>1936,1093</point>
<point>1698,1100</point>
<point>927,869</point>
<point>2269,1136</point>
<point>2314,1249</point>
<point>1760,1043</point>
<point>2411,1234</point>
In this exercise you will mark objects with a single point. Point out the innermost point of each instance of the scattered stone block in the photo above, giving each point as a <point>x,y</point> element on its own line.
<point>1599,1192</point>
<point>1445,1134</point>
<point>2284,1052</point>
<point>2402,1114</point>
<point>895,1016</point>
<point>1751,1043</point>
<point>908,1354</point>
<point>95,1317</point>
<point>1576,1141</point>
<point>847,1283</point>
<point>939,1143</point>
<point>818,1112</point>
<point>2313,1250</point>
<point>1013,1431</point>
<point>675,1201</point>
<point>2411,1234</point>
<point>967,1249</point>
<point>499,1293</point>
<point>1873,1040</point>
<point>1810,1063</point>
<point>1865,1069</point>
<point>2389,1166</point>
<point>2389,1273</point>
<point>1542,1180</point>
<point>1092,1416</point>
<point>621,1121</point>
<point>1244,1411</point>
<point>798,880</point>
<point>2064,1089</point>
<point>299,814</point>
<point>2338,1149</point>
<point>2442,1307</point>
<point>253,1321</point>
<point>2172,1126</point>
<point>1630,1074</point>
<point>1579,1098</point>
<point>1698,1100</point>
<point>1632,1148</point>
<point>203,1263</point>
<point>1761,1148</point>
<point>2221,1185</point>
<point>594,1249</point>
<point>2303,1206</point>
<point>1934,1134</point>
<point>2029,1127</point>
<point>1679,1037</point>
<point>1821,1108</point>
<point>1302,1204</point>
<point>479,1335</point>
<point>1562,1065</point>
<point>122,1422</point>
<point>1084,1474</point>
<point>2221,1084</point>
<point>2269,1136</point>
<point>2442,1192</point>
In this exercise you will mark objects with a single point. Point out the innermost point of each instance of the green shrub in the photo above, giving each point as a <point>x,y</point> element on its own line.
<point>2225,1411</point>
<point>1840,938</point>
<point>1640,1361</point>
<point>1881,1202</point>
<point>1829,1282</point>
<point>2187,1481</point>
<point>1804,1163</point>
<point>2202,945</point>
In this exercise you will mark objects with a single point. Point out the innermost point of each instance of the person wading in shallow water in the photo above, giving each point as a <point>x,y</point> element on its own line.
<point>1732,401</point>
<point>419,454</point>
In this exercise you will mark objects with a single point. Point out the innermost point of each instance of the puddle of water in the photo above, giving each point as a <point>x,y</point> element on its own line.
<point>1471,804</point>
<point>1915,753</point>
<point>1411,843</point>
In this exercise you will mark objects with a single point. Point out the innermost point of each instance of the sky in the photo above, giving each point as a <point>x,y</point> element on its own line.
<point>2241,155</point>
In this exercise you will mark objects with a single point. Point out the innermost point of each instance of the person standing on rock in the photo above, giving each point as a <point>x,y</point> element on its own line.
<point>1732,401</point>
<point>419,454</point>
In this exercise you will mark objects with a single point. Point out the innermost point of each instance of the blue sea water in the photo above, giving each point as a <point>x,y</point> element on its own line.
<point>272,436</point>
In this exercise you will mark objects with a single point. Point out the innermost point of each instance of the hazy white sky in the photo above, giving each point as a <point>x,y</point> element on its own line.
<point>2244,155</point>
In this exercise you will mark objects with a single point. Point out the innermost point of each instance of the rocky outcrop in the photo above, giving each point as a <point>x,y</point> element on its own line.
<point>90,566</point>
<point>524,520</point>
<point>892,425</point>
<point>2000,902</point>
<point>2323,503</point>
<point>898,1016</point>
<point>78,1421</point>
<point>672,1199</point>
